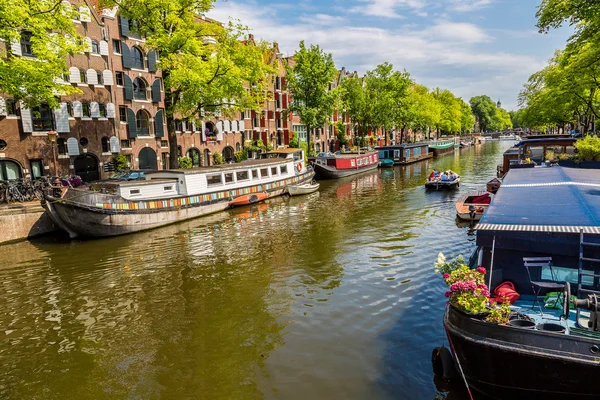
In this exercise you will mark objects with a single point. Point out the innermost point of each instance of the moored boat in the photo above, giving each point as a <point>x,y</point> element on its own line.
<point>472,206</point>
<point>333,166</point>
<point>165,197</point>
<point>386,163</point>
<point>248,199</point>
<point>493,185</point>
<point>442,147</point>
<point>406,153</point>
<point>443,181</point>
<point>305,188</point>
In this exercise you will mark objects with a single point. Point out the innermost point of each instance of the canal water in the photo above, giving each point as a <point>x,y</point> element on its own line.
<point>327,296</point>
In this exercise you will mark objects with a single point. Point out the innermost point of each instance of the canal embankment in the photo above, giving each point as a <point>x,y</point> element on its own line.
<point>24,221</point>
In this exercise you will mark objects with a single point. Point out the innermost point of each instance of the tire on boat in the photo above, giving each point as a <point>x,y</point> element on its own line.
<point>443,363</point>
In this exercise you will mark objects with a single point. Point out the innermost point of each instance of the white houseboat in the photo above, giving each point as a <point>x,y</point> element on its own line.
<point>165,197</point>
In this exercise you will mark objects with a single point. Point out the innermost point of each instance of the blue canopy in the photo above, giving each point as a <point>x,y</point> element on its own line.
<point>557,200</point>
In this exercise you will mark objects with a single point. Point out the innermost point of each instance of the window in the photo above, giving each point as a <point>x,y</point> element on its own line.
<point>42,118</point>
<point>82,75</point>
<point>273,171</point>
<point>119,78</point>
<point>37,168</point>
<point>138,58</point>
<point>123,113</point>
<point>95,47</point>
<point>228,177</point>
<point>133,192</point>
<point>142,122</point>
<point>85,110</point>
<point>11,107</point>
<point>84,142</point>
<point>125,144</point>
<point>61,143</point>
<point>70,109</point>
<point>105,145</point>
<point>283,169</point>
<point>213,180</point>
<point>167,188</point>
<point>26,44</point>
<point>116,46</point>
<point>3,145</point>
<point>178,125</point>
<point>139,89</point>
<point>264,173</point>
<point>254,174</point>
<point>9,170</point>
<point>164,143</point>
<point>100,77</point>
<point>242,175</point>
<point>102,110</point>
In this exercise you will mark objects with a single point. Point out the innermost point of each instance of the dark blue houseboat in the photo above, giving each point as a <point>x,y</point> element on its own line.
<point>403,154</point>
<point>542,233</point>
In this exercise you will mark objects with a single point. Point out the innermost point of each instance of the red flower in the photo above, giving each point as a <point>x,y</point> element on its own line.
<point>481,270</point>
<point>446,276</point>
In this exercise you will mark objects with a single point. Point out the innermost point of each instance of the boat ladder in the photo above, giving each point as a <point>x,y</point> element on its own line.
<point>581,273</point>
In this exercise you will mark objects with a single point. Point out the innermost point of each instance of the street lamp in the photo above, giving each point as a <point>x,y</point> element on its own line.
<point>52,136</point>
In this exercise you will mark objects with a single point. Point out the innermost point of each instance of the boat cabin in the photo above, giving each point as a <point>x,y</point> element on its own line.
<point>403,154</point>
<point>535,150</point>
<point>345,160</point>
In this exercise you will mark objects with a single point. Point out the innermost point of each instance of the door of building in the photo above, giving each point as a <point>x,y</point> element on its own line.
<point>86,166</point>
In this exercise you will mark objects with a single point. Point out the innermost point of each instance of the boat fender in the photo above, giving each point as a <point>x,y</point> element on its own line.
<point>506,289</point>
<point>443,363</point>
<point>299,167</point>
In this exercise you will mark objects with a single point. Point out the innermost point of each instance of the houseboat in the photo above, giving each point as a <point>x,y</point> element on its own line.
<point>542,233</point>
<point>333,166</point>
<point>535,150</point>
<point>166,197</point>
<point>403,154</point>
<point>442,147</point>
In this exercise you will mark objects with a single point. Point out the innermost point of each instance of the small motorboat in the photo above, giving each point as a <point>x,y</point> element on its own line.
<point>248,199</point>
<point>472,205</point>
<point>451,181</point>
<point>306,188</point>
<point>493,185</point>
<point>386,163</point>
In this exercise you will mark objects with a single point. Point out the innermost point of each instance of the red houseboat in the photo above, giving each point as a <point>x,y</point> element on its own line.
<point>333,166</point>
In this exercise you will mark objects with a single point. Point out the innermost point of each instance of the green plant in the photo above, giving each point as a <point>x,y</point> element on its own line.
<point>499,313</point>
<point>218,158</point>
<point>563,156</point>
<point>588,149</point>
<point>294,140</point>
<point>185,162</point>
<point>241,155</point>
<point>120,161</point>
<point>550,155</point>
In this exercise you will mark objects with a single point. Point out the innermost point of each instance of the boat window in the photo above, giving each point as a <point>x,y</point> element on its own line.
<point>254,174</point>
<point>283,169</point>
<point>168,188</point>
<point>241,175</point>
<point>563,274</point>
<point>213,180</point>
<point>273,171</point>
<point>297,155</point>
<point>228,177</point>
<point>133,192</point>
<point>352,163</point>
<point>264,173</point>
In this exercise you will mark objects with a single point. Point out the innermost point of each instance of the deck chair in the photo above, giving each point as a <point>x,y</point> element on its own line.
<point>537,286</point>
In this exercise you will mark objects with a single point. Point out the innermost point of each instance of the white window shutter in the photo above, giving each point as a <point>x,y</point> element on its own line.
<point>220,130</point>
<point>74,75</point>
<point>92,77</point>
<point>203,131</point>
<point>2,106</point>
<point>103,47</point>
<point>115,146</point>
<point>227,126</point>
<point>183,126</point>
<point>77,109</point>
<point>234,126</point>
<point>108,77</point>
<point>242,129</point>
<point>94,110</point>
<point>110,110</point>
<point>84,14</point>
<point>15,47</point>
<point>88,44</point>
<point>72,147</point>
<point>61,116</point>
<point>193,126</point>
<point>26,119</point>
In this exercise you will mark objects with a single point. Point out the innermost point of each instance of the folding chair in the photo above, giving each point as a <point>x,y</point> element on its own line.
<point>537,286</point>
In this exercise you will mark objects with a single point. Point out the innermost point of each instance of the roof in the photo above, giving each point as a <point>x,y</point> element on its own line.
<point>288,150</point>
<point>218,168</point>
<point>555,199</point>
<point>402,146</point>
<point>529,142</point>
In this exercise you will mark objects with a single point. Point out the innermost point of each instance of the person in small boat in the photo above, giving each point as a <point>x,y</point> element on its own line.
<point>452,175</point>
<point>445,177</point>
<point>434,174</point>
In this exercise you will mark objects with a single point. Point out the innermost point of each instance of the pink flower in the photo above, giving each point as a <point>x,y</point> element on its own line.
<point>481,270</point>
<point>448,294</point>
<point>446,276</point>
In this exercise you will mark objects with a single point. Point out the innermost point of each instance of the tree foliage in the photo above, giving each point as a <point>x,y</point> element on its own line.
<point>53,37</point>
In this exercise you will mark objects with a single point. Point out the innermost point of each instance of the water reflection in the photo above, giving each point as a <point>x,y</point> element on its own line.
<point>330,295</point>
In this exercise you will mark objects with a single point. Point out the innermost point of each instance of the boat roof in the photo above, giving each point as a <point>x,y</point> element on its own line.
<point>563,140</point>
<point>288,150</point>
<point>556,199</point>
<point>219,168</point>
<point>401,146</point>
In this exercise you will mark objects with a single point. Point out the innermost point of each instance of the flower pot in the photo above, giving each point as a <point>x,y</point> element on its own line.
<point>521,323</point>
<point>480,315</point>
<point>549,327</point>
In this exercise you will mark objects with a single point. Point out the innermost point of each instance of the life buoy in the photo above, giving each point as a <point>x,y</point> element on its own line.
<point>299,167</point>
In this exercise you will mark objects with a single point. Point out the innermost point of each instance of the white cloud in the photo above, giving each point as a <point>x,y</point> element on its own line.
<point>468,5</point>
<point>387,8</point>
<point>455,55</point>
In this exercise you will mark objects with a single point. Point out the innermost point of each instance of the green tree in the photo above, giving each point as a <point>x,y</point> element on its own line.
<point>484,110</point>
<point>308,80</point>
<point>206,66</point>
<point>425,110</point>
<point>467,119</point>
<point>451,113</point>
<point>50,29</point>
<point>353,102</point>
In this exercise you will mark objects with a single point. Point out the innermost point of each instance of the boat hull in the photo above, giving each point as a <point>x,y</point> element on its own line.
<point>443,185</point>
<point>299,190</point>
<point>326,172</point>
<point>86,218</point>
<point>503,362</point>
<point>249,199</point>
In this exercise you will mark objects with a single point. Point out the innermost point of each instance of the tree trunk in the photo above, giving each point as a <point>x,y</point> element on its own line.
<point>173,150</point>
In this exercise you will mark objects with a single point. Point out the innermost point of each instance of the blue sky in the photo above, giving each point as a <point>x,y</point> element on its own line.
<point>471,47</point>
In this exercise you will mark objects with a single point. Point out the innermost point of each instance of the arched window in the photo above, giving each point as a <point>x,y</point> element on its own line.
<point>142,121</point>
<point>62,145</point>
<point>82,75</point>
<point>194,154</point>
<point>100,77</point>
<point>138,58</point>
<point>95,47</point>
<point>179,151</point>
<point>9,170</point>
<point>105,145</point>
<point>139,89</point>
<point>238,147</point>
